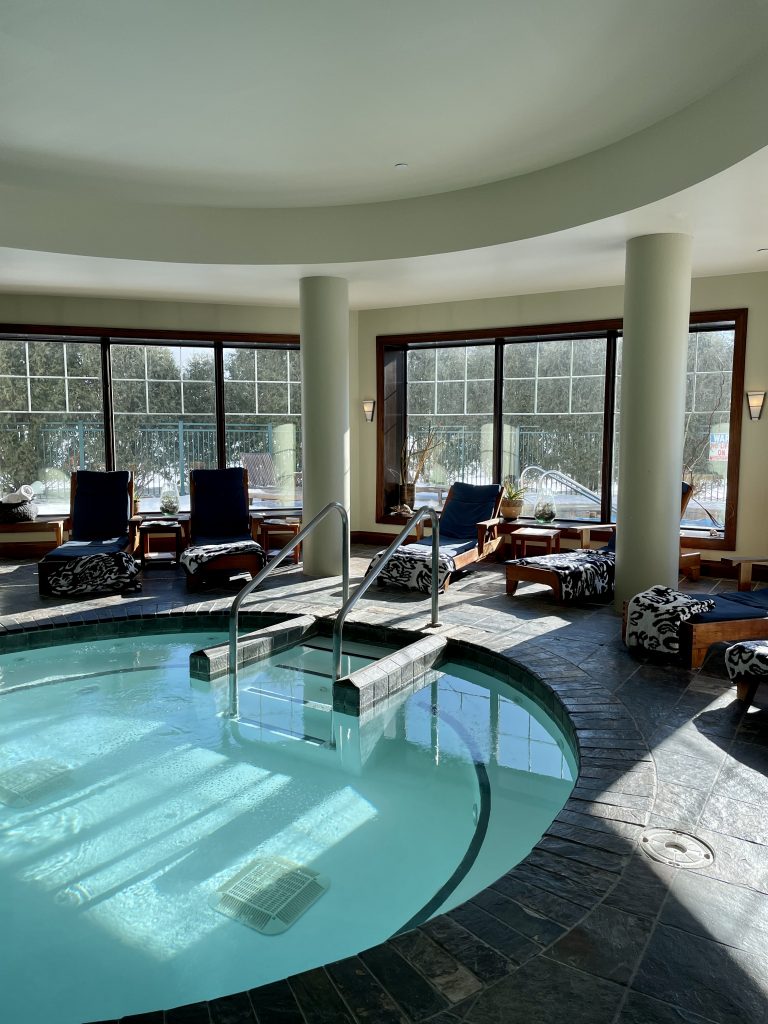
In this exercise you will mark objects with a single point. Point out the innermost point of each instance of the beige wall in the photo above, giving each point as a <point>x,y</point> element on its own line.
<point>162,316</point>
<point>750,290</point>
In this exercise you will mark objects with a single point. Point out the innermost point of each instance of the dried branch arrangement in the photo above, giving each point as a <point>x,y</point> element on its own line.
<point>415,453</point>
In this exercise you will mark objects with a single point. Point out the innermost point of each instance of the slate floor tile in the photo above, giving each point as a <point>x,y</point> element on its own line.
<point>640,1009</point>
<point>275,1004</point>
<point>194,1013</point>
<point>362,993</point>
<point>643,887</point>
<point>545,992</point>
<point>727,913</point>
<point>448,976</point>
<point>736,818</point>
<point>607,943</point>
<point>704,977</point>
<point>682,804</point>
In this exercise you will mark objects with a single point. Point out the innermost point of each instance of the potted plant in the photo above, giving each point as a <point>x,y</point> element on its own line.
<point>414,454</point>
<point>512,500</point>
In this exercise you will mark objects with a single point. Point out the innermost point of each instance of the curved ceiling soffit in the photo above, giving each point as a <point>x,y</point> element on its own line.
<point>688,147</point>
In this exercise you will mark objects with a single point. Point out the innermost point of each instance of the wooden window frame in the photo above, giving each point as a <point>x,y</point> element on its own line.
<point>610,329</point>
<point>105,337</point>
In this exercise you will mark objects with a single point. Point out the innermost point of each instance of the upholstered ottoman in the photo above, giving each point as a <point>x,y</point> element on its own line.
<point>747,665</point>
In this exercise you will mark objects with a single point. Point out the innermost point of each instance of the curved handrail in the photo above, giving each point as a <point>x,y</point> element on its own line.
<point>252,584</point>
<point>561,478</point>
<point>422,513</point>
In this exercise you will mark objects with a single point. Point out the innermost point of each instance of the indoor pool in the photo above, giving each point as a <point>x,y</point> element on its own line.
<point>129,802</point>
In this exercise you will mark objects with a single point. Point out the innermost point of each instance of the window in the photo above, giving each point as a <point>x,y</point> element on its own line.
<point>164,404</point>
<point>262,399</point>
<point>541,406</point>
<point>169,405</point>
<point>51,415</point>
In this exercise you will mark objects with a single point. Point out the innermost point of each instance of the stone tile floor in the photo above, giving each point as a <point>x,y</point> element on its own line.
<point>587,928</point>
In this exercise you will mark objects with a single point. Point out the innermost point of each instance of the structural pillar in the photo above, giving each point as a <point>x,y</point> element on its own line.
<point>324,415</point>
<point>657,298</point>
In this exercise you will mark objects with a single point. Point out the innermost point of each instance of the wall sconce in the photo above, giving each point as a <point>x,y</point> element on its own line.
<point>368,406</point>
<point>755,401</point>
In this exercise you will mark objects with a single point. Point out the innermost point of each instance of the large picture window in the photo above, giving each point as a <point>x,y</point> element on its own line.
<point>159,405</point>
<point>540,406</point>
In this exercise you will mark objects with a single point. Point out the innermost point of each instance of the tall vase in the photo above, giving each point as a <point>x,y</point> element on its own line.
<point>408,495</point>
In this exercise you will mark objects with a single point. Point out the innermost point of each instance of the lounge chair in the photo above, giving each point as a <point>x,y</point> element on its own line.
<point>469,524</point>
<point>580,574</point>
<point>737,615</point>
<point>98,556</point>
<point>222,541</point>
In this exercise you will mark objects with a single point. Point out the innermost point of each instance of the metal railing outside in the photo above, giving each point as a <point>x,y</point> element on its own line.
<point>252,584</point>
<point>370,579</point>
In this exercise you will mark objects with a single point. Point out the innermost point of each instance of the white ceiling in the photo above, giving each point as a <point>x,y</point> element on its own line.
<point>265,104</point>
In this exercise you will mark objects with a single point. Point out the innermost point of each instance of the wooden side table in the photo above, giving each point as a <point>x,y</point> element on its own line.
<point>274,528</point>
<point>153,527</point>
<point>549,539</point>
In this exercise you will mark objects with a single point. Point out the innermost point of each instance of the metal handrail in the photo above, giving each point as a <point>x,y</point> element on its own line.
<point>252,584</point>
<point>422,513</point>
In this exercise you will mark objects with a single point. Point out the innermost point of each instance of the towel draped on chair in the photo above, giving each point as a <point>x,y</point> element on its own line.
<point>94,574</point>
<point>654,617</point>
<point>410,568</point>
<point>194,558</point>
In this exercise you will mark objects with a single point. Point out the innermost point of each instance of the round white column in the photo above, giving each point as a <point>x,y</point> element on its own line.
<point>657,298</point>
<point>324,415</point>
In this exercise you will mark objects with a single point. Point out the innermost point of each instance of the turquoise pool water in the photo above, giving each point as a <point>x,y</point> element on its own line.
<point>108,878</point>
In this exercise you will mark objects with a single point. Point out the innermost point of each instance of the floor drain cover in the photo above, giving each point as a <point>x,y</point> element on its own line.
<point>26,781</point>
<point>676,848</point>
<point>269,895</point>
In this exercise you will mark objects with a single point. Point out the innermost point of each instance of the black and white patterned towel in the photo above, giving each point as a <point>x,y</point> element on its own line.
<point>582,573</point>
<point>747,658</point>
<point>411,569</point>
<point>95,574</point>
<point>654,617</point>
<point>193,558</point>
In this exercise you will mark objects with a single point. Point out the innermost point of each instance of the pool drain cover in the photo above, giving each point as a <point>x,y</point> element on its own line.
<point>269,895</point>
<point>26,781</point>
<point>676,848</point>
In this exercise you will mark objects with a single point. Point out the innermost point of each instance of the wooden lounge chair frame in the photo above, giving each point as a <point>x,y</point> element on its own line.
<point>47,566</point>
<point>252,562</point>
<point>488,536</point>
<point>690,561</point>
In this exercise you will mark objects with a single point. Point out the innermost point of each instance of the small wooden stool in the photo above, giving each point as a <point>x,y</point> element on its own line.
<point>549,539</point>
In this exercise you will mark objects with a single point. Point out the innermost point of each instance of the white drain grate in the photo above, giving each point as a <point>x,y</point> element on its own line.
<point>269,895</point>
<point>26,781</point>
<point>679,849</point>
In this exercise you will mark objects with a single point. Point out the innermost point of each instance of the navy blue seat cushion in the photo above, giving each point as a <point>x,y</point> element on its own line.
<point>79,548</point>
<point>220,505</point>
<point>748,604</point>
<point>469,505</point>
<point>102,506</point>
<point>450,546</point>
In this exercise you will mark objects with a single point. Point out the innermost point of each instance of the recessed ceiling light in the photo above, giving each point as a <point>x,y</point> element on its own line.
<point>401,167</point>
<point>762,250</point>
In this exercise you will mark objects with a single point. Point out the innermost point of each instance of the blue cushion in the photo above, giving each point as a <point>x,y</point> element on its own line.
<point>450,546</point>
<point>80,548</point>
<point>220,505</point>
<point>469,505</point>
<point>101,508</point>
<point>748,604</point>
